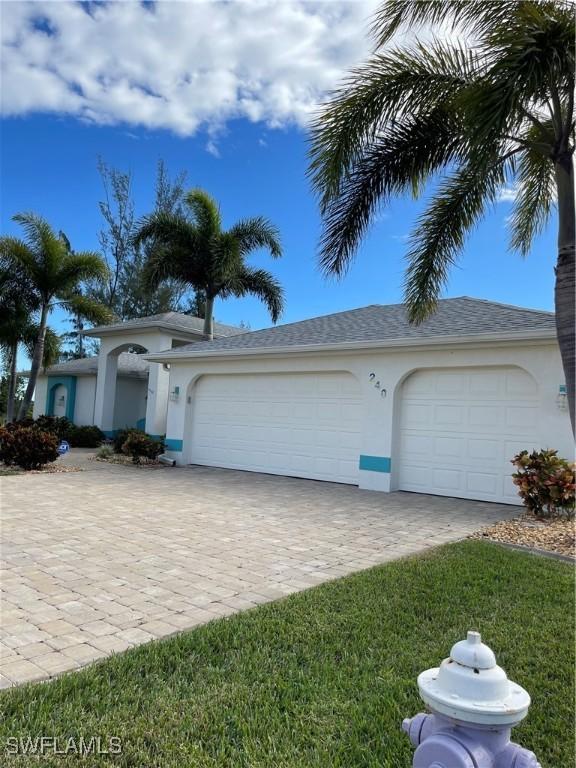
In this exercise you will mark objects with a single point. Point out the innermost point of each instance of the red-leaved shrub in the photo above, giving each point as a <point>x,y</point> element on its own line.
<point>27,447</point>
<point>545,483</point>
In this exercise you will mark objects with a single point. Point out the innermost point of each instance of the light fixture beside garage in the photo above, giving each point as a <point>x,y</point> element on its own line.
<point>562,398</point>
<point>175,394</point>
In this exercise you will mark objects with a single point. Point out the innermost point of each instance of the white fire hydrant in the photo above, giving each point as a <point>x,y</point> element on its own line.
<point>473,709</point>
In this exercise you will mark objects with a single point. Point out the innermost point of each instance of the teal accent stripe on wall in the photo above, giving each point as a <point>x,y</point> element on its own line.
<point>172,444</point>
<point>375,463</point>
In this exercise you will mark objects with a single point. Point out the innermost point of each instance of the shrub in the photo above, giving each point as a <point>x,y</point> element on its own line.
<point>27,447</point>
<point>57,425</point>
<point>545,483</point>
<point>84,437</point>
<point>122,435</point>
<point>139,445</point>
<point>105,452</point>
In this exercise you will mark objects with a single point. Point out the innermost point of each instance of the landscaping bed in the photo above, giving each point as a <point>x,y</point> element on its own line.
<point>127,461</point>
<point>322,678</point>
<point>556,535</point>
<point>48,469</point>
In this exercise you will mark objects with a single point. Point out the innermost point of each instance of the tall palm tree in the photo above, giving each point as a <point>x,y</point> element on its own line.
<point>499,110</point>
<point>192,247</point>
<point>55,275</point>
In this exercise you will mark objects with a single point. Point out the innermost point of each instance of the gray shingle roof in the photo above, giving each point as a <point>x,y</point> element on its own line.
<point>176,320</point>
<point>129,364</point>
<point>460,316</point>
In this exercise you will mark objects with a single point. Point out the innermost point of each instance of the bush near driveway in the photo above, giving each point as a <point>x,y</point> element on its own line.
<point>545,483</point>
<point>85,436</point>
<point>323,678</point>
<point>142,446</point>
<point>27,447</point>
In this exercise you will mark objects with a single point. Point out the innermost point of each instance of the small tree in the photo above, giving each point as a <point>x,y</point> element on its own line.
<point>55,274</point>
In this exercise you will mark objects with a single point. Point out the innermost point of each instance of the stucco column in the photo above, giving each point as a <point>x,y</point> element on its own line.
<point>105,392</point>
<point>157,402</point>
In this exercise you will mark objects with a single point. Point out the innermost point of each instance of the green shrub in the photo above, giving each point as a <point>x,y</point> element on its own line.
<point>105,452</point>
<point>122,435</point>
<point>545,483</point>
<point>27,447</point>
<point>139,445</point>
<point>86,436</point>
<point>56,425</point>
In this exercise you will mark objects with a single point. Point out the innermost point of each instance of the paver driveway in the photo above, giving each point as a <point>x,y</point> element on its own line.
<point>97,561</point>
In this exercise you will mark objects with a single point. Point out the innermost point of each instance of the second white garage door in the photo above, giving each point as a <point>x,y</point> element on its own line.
<point>459,429</point>
<point>302,425</point>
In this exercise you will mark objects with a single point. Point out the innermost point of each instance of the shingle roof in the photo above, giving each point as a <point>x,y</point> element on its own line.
<point>176,320</point>
<point>129,364</point>
<point>378,323</point>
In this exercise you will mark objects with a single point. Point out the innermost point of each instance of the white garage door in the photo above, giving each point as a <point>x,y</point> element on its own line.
<point>459,429</point>
<point>302,425</point>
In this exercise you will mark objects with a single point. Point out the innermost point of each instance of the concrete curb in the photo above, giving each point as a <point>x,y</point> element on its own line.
<point>534,551</point>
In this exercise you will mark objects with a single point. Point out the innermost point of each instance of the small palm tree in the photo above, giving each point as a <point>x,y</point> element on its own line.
<point>500,110</point>
<point>192,247</point>
<point>54,275</point>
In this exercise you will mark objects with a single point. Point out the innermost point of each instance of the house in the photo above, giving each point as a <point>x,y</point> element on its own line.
<point>360,397</point>
<point>120,388</point>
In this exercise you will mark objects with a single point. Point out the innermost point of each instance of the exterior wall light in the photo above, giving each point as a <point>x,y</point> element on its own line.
<point>175,394</point>
<point>562,398</point>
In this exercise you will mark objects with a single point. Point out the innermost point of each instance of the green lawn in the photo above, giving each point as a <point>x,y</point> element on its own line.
<point>325,677</point>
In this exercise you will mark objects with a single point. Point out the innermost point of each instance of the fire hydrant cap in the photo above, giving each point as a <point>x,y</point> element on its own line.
<point>471,687</point>
<point>473,653</point>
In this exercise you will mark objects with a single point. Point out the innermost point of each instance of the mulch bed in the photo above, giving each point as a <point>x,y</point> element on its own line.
<point>49,469</point>
<point>551,535</point>
<point>126,461</point>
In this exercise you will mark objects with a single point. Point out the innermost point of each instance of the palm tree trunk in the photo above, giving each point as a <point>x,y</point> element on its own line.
<point>208,318</point>
<point>565,289</point>
<point>12,381</point>
<point>37,358</point>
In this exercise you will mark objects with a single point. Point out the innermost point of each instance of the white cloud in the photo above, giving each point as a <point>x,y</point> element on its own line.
<point>507,194</point>
<point>179,65</point>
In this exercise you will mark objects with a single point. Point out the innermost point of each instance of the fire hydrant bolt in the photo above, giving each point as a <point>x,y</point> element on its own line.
<point>473,709</point>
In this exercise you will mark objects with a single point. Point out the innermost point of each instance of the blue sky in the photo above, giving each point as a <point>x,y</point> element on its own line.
<point>250,153</point>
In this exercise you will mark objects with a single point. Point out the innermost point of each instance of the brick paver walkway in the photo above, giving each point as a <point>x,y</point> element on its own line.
<point>95,562</point>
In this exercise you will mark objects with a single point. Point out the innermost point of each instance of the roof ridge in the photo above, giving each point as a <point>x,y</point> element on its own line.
<point>503,304</point>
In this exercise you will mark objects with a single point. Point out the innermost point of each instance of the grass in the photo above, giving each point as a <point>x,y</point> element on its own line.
<point>322,678</point>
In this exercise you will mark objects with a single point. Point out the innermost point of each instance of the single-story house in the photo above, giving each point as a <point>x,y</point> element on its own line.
<point>360,397</point>
<point>119,388</point>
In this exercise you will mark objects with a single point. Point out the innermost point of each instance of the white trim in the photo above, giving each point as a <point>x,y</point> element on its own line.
<point>543,335</point>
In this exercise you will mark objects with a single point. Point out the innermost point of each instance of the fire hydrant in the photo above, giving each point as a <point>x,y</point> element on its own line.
<point>473,709</point>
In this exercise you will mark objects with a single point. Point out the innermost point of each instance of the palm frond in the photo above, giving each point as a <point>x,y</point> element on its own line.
<point>480,17</point>
<point>442,229</point>
<point>259,283</point>
<point>52,344</point>
<point>257,232</point>
<point>534,200</point>
<point>78,267</point>
<point>205,212</point>
<point>397,162</point>
<point>88,308</point>
<point>419,80</point>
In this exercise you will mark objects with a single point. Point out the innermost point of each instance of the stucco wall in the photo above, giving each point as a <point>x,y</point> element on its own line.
<point>130,405</point>
<point>391,367</point>
<point>40,396</point>
<point>85,392</point>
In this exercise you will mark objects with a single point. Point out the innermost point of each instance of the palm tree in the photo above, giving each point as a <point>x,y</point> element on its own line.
<point>192,248</point>
<point>498,111</point>
<point>54,274</point>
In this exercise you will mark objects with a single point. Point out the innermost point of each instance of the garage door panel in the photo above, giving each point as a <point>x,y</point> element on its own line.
<point>458,431</point>
<point>306,425</point>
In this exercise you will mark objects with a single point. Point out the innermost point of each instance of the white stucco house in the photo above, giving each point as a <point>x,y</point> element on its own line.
<point>358,397</point>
